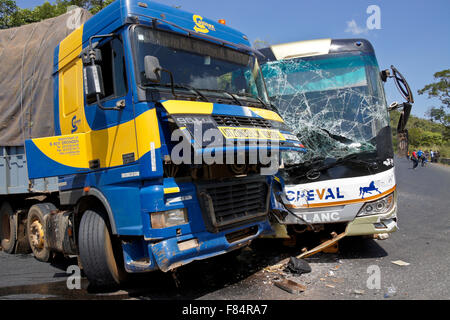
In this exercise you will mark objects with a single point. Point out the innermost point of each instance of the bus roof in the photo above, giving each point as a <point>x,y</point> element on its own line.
<point>316,47</point>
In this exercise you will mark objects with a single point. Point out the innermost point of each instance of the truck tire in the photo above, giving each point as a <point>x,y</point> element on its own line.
<point>100,257</point>
<point>36,230</point>
<point>8,228</point>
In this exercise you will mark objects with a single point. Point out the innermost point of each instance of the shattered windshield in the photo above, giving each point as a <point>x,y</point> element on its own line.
<point>211,68</point>
<point>334,103</point>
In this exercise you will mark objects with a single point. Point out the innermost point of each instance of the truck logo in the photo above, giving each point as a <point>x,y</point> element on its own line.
<point>369,189</point>
<point>75,123</point>
<point>202,26</point>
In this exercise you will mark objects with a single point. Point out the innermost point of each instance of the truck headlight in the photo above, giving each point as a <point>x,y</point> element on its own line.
<point>380,206</point>
<point>168,218</point>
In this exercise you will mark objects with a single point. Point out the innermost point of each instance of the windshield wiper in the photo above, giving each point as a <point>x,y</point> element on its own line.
<point>270,106</point>
<point>179,86</point>
<point>224,91</point>
<point>185,86</point>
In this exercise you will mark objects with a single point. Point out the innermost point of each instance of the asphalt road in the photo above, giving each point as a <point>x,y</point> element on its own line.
<point>422,241</point>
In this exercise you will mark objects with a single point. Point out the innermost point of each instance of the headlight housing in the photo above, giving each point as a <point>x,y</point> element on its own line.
<point>289,136</point>
<point>170,218</point>
<point>380,206</point>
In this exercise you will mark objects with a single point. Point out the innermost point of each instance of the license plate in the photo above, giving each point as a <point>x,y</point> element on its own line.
<point>251,133</point>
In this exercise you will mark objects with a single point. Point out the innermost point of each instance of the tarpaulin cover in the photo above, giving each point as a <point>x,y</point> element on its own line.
<point>26,83</point>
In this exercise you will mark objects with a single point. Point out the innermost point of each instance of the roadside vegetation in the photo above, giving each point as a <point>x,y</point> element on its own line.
<point>433,133</point>
<point>13,16</point>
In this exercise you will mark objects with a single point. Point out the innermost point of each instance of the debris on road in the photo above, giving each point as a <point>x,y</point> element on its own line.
<point>330,286</point>
<point>298,266</point>
<point>358,292</point>
<point>391,291</point>
<point>275,268</point>
<point>290,286</point>
<point>400,263</point>
<point>381,236</point>
<point>324,245</point>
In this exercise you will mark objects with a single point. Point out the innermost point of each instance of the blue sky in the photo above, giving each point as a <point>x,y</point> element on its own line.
<point>414,35</point>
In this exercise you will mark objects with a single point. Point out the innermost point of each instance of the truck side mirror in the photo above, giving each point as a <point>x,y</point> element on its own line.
<point>152,68</point>
<point>93,82</point>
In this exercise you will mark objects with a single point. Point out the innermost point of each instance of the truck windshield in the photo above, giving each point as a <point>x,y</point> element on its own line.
<point>335,103</point>
<point>200,65</point>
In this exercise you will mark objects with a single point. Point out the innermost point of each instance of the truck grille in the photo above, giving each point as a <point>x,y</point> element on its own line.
<point>228,204</point>
<point>233,121</point>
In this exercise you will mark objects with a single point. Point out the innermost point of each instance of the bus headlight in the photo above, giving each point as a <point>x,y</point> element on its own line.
<point>380,206</point>
<point>168,218</point>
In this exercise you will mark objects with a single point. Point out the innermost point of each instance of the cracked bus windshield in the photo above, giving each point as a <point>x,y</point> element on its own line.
<point>214,70</point>
<point>334,103</point>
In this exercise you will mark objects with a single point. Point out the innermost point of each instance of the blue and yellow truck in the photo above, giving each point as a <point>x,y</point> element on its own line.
<point>120,177</point>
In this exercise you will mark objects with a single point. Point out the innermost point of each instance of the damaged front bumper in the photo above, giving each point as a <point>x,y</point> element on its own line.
<point>356,225</point>
<point>375,224</point>
<point>142,256</point>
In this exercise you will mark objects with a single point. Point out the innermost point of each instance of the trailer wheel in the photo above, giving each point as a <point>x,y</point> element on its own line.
<point>101,259</point>
<point>36,230</point>
<point>8,228</point>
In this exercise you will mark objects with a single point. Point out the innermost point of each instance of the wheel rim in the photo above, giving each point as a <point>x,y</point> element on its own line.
<point>36,235</point>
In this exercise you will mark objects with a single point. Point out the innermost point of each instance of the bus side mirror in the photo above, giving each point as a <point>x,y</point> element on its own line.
<point>384,74</point>
<point>152,68</point>
<point>93,82</point>
<point>404,116</point>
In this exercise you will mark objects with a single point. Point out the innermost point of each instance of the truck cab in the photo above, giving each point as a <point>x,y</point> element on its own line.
<point>330,92</point>
<point>161,119</point>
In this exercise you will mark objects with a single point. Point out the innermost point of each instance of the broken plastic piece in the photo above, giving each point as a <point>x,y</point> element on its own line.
<point>400,263</point>
<point>391,291</point>
<point>298,266</point>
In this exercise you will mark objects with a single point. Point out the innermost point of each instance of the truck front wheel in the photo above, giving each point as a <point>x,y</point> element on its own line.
<point>98,253</point>
<point>8,228</point>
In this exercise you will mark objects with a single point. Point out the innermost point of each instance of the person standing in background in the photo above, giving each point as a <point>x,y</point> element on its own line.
<point>414,159</point>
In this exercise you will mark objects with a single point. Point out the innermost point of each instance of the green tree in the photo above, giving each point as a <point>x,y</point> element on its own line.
<point>439,89</point>
<point>13,16</point>
<point>99,5</point>
<point>7,10</point>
